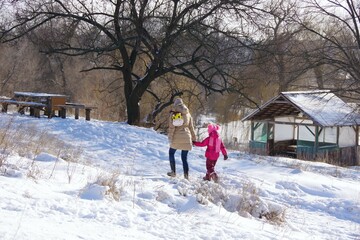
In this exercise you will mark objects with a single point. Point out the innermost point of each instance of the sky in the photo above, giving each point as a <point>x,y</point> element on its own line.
<point>75,179</point>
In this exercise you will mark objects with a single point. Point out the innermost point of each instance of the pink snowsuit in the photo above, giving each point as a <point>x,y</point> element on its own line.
<point>214,146</point>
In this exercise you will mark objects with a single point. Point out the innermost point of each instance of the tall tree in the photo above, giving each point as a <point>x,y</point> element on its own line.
<point>280,55</point>
<point>336,24</point>
<point>164,36</point>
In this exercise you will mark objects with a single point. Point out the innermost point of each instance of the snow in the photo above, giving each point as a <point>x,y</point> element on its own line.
<point>76,179</point>
<point>325,108</point>
<point>34,94</point>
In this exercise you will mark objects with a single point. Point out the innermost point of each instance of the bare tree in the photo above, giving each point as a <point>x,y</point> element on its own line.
<point>281,56</point>
<point>335,24</point>
<point>162,36</point>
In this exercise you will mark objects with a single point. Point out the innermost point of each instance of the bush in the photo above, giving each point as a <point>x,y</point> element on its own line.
<point>110,181</point>
<point>247,201</point>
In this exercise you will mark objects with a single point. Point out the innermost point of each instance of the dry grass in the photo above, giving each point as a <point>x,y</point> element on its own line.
<point>6,144</point>
<point>275,217</point>
<point>209,191</point>
<point>247,202</point>
<point>28,141</point>
<point>34,172</point>
<point>111,182</point>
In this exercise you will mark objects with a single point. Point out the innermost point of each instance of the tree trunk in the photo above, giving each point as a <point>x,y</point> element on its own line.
<point>133,111</point>
<point>133,98</point>
<point>319,77</point>
<point>283,84</point>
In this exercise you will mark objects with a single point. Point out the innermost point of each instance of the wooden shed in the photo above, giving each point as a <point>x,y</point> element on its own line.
<point>309,125</point>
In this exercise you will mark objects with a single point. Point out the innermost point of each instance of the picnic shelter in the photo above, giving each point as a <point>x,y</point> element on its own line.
<point>310,125</point>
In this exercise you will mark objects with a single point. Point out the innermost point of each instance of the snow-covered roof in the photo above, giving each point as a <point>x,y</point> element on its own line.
<point>323,107</point>
<point>36,94</point>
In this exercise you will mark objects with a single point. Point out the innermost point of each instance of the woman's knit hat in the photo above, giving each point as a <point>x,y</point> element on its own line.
<point>178,101</point>
<point>213,127</point>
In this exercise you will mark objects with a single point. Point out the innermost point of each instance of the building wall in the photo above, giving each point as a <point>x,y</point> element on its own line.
<point>347,137</point>
<point>283,131</point>
<point>306,133</point>
<point>328,135</point>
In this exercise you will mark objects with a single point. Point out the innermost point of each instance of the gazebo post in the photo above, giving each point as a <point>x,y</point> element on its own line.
<point>357,145</point>
<point>252,131</point>
<point>267,138</point>
<point>316,143</point>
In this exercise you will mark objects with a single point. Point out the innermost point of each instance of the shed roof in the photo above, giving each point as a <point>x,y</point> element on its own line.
<point>35,94</point>
<point>323,107</point>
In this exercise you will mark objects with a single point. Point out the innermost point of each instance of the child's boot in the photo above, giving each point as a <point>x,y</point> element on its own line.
<point>214,177</point>
<point>207,177</point>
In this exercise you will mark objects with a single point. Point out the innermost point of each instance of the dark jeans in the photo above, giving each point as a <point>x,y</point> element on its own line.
<point>184,154</point>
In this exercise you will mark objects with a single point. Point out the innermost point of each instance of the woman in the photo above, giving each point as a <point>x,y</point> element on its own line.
<point>180,136</point>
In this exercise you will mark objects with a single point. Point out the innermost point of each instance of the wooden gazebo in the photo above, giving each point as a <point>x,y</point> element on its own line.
<point>309,125</point>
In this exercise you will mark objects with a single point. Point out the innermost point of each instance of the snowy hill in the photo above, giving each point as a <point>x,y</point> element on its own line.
<point>74,179</point>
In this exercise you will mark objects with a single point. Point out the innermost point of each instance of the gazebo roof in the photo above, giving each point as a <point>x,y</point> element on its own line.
<point>323,107</point>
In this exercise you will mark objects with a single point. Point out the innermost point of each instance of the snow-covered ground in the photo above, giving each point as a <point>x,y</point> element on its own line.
<point>75,179</point>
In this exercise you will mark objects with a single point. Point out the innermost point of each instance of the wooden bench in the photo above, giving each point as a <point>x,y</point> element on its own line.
<point>45,98</point>
<point>76,107</point>
<point>35,107</point>
<point>291,150</point>
<point>49,103</point>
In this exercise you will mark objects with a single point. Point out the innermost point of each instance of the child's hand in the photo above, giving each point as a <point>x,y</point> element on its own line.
<point>226,157</point>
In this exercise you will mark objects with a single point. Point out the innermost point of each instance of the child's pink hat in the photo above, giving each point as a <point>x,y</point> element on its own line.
<point>213,127</point>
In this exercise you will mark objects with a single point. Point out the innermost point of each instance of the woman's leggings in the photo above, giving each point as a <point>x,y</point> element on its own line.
<point>184,154</point>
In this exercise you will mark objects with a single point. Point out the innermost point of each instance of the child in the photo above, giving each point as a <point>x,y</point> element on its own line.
<point>214,146</point>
